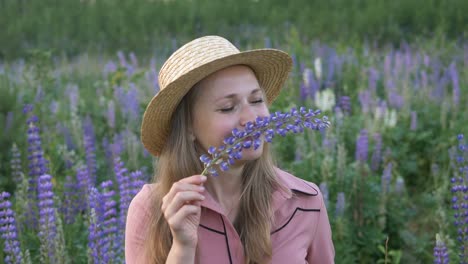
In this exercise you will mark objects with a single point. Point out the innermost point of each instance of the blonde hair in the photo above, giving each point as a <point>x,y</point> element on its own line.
<point>180,158</point>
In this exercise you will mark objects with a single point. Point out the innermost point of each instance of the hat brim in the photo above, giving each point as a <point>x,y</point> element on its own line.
<point>271,67</point>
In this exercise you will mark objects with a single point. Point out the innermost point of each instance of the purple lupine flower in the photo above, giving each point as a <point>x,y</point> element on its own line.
<point>122,59</point>
<point>123,182</point>
<point>340,205</point>
<point>373,78</point>
<point>459,197</point>
<point>414,121</point>
<point>264,128</point>
<point>136,182</point>
<point>109,222</point>
<point>83,185</point>
<point>53,107</point>
<point>441,255</point>
<point>365,100</point>
<point>108,151</point>
<point>110,67</point>
<point>132,103</point>
<point>15,163</point>
<point>103,227</point>
<point>455,83</point>
<point>8,122</point>
<point>133,59</point>
<point>324,189</point>
<point>387,177</point>
<point>27,108</point>
<point>71,201</point>
<point>395,99</point>
<point>9,231</point>
<point>66,135</point>
<point>424,79</point>
<point>331,68</point>
<point>345,104</point>
<point>73,96</point>
<point>95,211</point>
<point>388,65</point>
<point>118,145</point>
<point>39,94</point>
<point>89,141</point>
<point>38,166</point>
<point>47,219</point>
<point>362,146</point>
<point>377,154</point>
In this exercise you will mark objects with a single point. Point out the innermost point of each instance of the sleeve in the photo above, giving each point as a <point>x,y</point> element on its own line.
<point>321,249</point>
<point>138,221</point>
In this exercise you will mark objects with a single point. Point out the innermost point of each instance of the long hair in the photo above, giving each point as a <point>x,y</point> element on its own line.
<point>180,158</point>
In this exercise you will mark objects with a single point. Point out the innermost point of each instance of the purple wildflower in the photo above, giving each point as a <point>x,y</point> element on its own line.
<point>377,154</point>
<point>8,231</point>
<point>340,204</point>
<point>125,194</point>
<point>27,108</point>
<point>110,67</point>
<point>89,141</point>
<point>324,189</point>
<point>136,182</point>
<point>387,177</point>
<point>37,167</point>
<point>71,205</point>
<point>414,121</point>
<point>83,185</point>
<point>373,78</point>
<point>362,145</point>
<point>365,100</point>
<point>459,197</point>
<point>263,129</point>
<point>15,163</point>
<point>455,83</point>
<point>441,255</point>
<point>103,226</point>
<point>74,97</point>
<point>8,122</point>
<point>47,219</point>
<point>345,104</point>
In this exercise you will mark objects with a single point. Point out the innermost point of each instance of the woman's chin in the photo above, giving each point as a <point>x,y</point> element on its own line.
<point>251,154</point>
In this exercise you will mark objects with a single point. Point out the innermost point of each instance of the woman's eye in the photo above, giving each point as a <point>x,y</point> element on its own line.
<point>228,109</point>
<point>258,101</point>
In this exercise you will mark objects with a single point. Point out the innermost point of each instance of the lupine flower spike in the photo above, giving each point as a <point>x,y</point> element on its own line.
<point>264,128</point>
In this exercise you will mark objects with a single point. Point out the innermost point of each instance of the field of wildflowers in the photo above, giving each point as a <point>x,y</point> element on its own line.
<point>392,165</point>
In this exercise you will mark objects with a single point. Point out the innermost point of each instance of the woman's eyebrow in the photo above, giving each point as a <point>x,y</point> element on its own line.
<point>233,95</point>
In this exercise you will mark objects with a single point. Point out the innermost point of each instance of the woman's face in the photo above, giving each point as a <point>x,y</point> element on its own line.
<point>227,99</point>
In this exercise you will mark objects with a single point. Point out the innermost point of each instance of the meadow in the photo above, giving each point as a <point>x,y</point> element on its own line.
<point>392,166</point>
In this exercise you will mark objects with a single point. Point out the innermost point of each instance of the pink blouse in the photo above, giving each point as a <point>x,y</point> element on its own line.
<point>301,232</point>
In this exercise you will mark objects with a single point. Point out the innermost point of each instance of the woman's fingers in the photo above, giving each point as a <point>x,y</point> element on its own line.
<point>180,199</point>
<point>175,222</point>
<point>192,183</point>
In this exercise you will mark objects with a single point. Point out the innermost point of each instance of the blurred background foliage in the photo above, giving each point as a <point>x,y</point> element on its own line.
<point>141,26</point>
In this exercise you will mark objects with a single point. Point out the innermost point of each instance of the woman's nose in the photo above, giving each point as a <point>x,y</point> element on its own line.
<point>247,114</point>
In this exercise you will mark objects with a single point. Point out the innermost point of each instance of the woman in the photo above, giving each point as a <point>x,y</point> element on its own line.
<point>252,213</point>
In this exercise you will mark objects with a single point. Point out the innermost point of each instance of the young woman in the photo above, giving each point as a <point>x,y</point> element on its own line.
<point>252,213</point>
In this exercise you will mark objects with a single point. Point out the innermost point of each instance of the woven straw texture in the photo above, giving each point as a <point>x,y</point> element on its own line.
<point>195,61</point>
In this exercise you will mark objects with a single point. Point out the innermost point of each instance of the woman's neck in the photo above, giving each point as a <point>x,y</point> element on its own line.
<point>226,189</point>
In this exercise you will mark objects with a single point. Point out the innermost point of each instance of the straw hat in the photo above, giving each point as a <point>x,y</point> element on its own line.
<point>195,61</point>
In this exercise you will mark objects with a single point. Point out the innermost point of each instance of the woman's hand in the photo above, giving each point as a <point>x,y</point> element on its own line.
<point>181,208</point>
